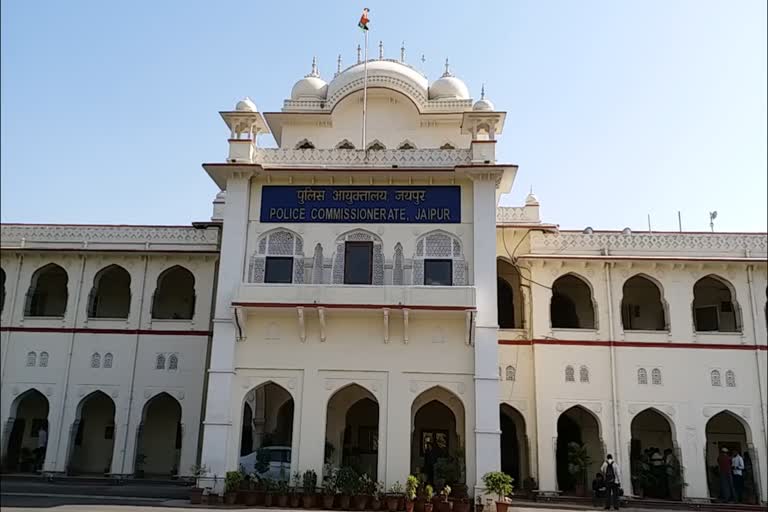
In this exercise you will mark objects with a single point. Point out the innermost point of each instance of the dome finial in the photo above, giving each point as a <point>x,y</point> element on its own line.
<point>358,54</point>
<point>381,50</point>
<point>314,72</point>
<point>338,64</point>
<point>447,68</point>
<point>402,52</point>
<point>482,92</point>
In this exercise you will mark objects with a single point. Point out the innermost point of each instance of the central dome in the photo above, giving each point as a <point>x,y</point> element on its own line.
<point>381,73</point>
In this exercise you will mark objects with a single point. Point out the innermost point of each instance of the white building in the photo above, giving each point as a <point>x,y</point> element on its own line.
<point>366,302</point>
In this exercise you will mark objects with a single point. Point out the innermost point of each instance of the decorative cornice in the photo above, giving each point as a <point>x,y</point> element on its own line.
<point>357,157</point>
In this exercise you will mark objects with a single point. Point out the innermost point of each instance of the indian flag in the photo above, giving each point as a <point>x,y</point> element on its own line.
<point>363,24</point>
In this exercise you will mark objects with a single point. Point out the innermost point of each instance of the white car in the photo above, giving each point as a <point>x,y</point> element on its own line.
<point>279,462</point>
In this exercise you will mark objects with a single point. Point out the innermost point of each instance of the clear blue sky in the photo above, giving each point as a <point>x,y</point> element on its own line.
<point>616,109</point>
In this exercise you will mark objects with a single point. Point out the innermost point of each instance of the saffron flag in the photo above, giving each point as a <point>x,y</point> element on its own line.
<point>363,24</point>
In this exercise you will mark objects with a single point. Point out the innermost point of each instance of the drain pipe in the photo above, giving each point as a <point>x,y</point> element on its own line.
<point>12,311</point>
<point>761,391</point>
<point>78,294</point>
<point>614,390</point>
<point>135,361</point>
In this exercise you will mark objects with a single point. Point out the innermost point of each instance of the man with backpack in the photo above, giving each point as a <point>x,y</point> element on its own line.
<point>610,471</point>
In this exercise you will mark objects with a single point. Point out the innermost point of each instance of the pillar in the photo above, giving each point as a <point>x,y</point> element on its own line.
<point>219,436</point>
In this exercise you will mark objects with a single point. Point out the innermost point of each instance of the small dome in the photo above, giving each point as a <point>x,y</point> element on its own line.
<point>483,104</point>
<point>311,87</point>
<point>588,230</point>
<point>531,200</point>
<point>246,105</point>
<point>626,231</point>
<point>448,87</point>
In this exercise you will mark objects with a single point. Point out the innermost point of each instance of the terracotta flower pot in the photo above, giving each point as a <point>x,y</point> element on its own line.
<point>344,502</point>
<point>479,507</point>
<point>282,500</point>
<point>461,506</point>
<point>196,495</point>
<point>392,503</point>
<point>401,503</point>
<point>230,498</point>
<point>328,501</point>
<point>308,501</point>
<point>375,503</point>
<point>359,501</point>
<point>294,500</point>
<point>419,505</point>
<point>269,499</point>
<point>501,506</point>
<point>409,505</point>
<point>444,506</point>
<point>428,507</point>
<point>213,498</point>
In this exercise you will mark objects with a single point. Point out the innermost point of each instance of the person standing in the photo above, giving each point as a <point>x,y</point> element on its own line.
<point>610,471</point>
<point>737,467</point>
<point>726,478</point>
<point>42,443</point>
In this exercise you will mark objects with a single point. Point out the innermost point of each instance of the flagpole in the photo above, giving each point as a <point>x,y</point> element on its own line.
<point>365,88</point>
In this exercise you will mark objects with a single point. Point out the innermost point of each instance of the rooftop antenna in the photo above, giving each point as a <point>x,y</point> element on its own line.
<point>679,222</point>
<point>649,223</point>
<point>381,50</point>
<point>712,217</point>
<point>402,52</point>
<point>338,64</point>
<point>358,54</point>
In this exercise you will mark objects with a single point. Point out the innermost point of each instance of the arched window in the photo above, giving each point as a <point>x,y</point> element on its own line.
<point>359,259</point>
<point>447,145</point>
<point>398,276</point>
<point>43,359</point>
<point>570,375</point>
<point>656,377</point>
<point>173,362</point>
<point>715,378</point>
<point>174,297</point>
<point>160,362</point>
<point>406,144</point>
<point>641,306</point>
<point>714,306</point>
<point>730,379</point>
<point>108,360</point>
<point>279,258</point>
<point>642,376</point>
<point>345,144</point>
<point>305,144</point>
<point>439,260</point>
<point>375,145</point>
<point>31,358</point>
<point>511,373</point>
<point>95,360</point>
<point>571,306</point>
<point>48,294</point>
<point>111,293</point>
<point>583,374</point>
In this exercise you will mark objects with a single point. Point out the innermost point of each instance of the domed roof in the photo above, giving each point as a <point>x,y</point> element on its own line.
<point>246,105</point>
<point>311,87</point>
<point>483,104</point>
<point>382,73</point>
<point>448,87</point>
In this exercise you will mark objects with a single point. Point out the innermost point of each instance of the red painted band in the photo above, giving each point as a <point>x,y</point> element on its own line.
<point>349,306</point>
<point>634,344</point>
<point>81,330</point>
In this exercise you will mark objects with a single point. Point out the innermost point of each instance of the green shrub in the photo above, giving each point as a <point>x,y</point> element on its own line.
<point>498,483</point>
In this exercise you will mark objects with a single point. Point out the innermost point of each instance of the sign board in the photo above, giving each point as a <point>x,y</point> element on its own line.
<point>439,204</point>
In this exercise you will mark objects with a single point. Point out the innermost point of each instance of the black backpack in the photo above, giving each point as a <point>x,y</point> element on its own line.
<point>610,474</point>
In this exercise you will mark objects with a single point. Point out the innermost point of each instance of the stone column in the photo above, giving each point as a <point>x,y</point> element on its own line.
<point>219,438</point>
<point>487,430</point>
<point>398,418</point>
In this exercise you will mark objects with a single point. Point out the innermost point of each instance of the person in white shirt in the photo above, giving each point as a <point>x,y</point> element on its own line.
<point>42,443</point>
<point>612,477</point>
<point>737,468</point>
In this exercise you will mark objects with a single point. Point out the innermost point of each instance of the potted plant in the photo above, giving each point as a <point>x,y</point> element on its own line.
<point>393,496</point>
<point>578,462</point>
<point>411,488</point>
<point>500,484</point>
<point>282,490</point>
<point>232,481</point>
<point>294,496</point>
<point>213,495</point>
<point>269,487</point>
<point>348,483</point>
<point>196,492</point>
<point>329,487</point>
<point>309,485</point>
<point>141,459</point>
<point>360,498</point>
<point>429,493</point>
<point>444,505</point>
<point>379,497</point>
<point>643,478</point>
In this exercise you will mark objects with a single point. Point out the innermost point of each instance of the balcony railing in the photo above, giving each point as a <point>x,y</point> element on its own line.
<point>356,157</point>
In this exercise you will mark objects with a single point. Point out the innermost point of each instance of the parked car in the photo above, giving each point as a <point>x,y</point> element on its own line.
<point>279,462</point>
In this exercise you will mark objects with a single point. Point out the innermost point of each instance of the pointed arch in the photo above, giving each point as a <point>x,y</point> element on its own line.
<point>725,429</point>
<point>643,306</point>
<point>653,429</point>
<point>27,417</point>
<point>581,426</point>
<point>509,295</point>
<point>279,258</point>
<point>363,241</point>
<point>515,460</point>
<point>572,305</point>
<point>92,443</point>
<point>375,145</point>
<point>159,436</point>
<point>110,295</point>
<point>48,293</point>
<point>715,307</point>
<point>304,144</point>
<point>436,250</point>
<point>448,145</point>
<point>345,144</point>
<point>174,296</point>
<point>406,145</point>
<point>352,428</point>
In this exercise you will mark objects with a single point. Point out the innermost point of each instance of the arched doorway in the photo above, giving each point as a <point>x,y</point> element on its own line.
<point>509,296</point>
<point>267,431</point>
<point>352,430</point>
<point>728,431</point>
<point>159,438</point>
<point>28,438</point>
<point>572,306</point>
<point>578,430</point>
<point>642,305</point>
<point>653,457</point>
<point>437,443</point>
<point>94,435</point>
<point>514,444</point>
